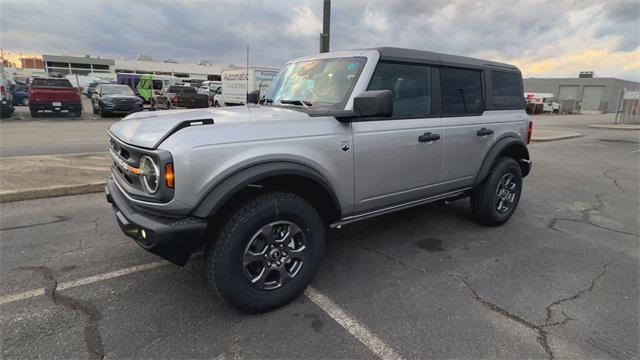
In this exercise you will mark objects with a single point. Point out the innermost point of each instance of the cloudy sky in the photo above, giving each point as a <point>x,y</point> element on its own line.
<point>543,37</point>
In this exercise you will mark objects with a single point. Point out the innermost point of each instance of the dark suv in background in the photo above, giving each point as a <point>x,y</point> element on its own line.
<point>115,99</point>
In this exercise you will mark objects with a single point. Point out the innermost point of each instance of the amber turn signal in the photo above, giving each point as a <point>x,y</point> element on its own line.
<point>169,177</point>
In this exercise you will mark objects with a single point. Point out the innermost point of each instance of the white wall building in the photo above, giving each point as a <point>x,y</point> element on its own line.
<point>194,71</point>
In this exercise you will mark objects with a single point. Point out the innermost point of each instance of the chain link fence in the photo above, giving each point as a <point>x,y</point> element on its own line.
<point>628,107</point>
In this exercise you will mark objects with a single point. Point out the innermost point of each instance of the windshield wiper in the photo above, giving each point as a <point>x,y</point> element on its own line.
<point>304,103</point>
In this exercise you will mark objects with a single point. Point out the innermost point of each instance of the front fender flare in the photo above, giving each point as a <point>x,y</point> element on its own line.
<point>223,190</point>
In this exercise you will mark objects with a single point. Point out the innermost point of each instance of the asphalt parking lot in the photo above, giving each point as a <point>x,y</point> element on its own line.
<point>560,280</point>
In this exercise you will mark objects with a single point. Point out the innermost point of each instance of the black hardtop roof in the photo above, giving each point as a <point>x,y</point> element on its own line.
<point>430,57</point>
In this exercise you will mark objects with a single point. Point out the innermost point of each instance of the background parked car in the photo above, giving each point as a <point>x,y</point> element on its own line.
<point>210,91</point>
<point>91,88</point>
<point>6,99</point>
<point>113,99</point>
<point>20,93</point>
<point>176,96</point>
<point>55,95</point>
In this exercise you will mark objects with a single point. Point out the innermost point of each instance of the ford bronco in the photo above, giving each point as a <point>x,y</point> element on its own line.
<point>339,137</point>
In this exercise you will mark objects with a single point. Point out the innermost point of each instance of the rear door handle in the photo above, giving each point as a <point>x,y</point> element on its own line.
<point>427,137</point>
<point>484,132</point>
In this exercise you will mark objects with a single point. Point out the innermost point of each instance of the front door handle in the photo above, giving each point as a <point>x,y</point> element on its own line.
<point>427,137</point>
<point>484,132</point>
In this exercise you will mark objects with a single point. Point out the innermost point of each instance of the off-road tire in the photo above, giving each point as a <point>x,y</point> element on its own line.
<point>224,270</point>
<point>484,198</point>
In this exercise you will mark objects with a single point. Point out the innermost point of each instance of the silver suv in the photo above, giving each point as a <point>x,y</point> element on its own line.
<point>340,137</point>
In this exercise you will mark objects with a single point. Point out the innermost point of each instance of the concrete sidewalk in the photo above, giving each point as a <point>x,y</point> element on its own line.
<point>551,135</point>
<point>616,126</point>
<point>34,177</point>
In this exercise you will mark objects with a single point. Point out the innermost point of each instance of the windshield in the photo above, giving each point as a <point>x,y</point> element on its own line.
<point>117,90</point>
<point>324,83</point>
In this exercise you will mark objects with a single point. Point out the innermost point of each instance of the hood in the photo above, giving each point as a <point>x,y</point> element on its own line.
<point>120,96</point>
<point>150,129</point>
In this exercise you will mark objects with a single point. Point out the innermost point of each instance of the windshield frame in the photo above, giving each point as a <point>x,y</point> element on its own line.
<point>315,106</point>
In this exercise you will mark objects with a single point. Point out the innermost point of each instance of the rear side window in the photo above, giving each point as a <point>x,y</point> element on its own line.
<point>461,91</point>
<point>506,90</point>
<point>410,85</point>
<point>188,90</point>
<point>51,83</point>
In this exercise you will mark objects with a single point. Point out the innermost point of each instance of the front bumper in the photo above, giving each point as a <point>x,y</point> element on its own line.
<point>121,108</point>
<point>174,239</point>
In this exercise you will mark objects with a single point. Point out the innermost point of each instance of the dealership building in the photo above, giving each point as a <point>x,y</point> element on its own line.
<point>81,65</point>
<point>62,65</point>
<point>193,71</point>
<point>583,94</point>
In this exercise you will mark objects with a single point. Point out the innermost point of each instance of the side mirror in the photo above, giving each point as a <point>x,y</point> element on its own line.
<point>253,97</point>
<point>373,103</point>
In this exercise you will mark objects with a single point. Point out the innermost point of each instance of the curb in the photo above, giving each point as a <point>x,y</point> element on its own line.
<point>41,193</point>
<point>556,138</point>
<point>616,126</point>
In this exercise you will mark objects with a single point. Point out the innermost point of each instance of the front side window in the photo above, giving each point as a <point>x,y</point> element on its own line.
<point>461,91</point>
<point>321,83</point>
<point>410,85</point>
<point>506,90</point>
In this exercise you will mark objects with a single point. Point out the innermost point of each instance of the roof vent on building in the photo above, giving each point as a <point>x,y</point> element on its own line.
<point>586,74</point>
<point>144,57</point>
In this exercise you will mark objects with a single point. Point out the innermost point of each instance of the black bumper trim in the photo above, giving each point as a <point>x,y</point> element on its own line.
<point>174,239</point>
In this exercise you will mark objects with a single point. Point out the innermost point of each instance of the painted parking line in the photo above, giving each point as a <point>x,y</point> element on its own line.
<point>352,325</point>
<point>339,315</point>
<point>83,281</point>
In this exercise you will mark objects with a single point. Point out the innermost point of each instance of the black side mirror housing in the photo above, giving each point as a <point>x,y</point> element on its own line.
<point>373,103</point>
<point>253,97</point>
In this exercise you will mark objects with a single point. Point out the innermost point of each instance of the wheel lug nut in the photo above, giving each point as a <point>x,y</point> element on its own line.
<point>279,263</point>
<point>284,253</point>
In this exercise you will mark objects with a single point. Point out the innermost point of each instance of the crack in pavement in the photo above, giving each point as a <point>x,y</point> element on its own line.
<point>549,309</point>
<point>542,337</point>
<point>92,337</point>
<point>391,258</point>
<point>57,220</point>
<point>586,213</point>
<point>615,181</point>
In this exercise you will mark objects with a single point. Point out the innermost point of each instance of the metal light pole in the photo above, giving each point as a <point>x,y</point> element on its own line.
<point>326,21</point>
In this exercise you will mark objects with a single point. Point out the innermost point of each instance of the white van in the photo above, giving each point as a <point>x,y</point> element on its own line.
<point>234,84</point>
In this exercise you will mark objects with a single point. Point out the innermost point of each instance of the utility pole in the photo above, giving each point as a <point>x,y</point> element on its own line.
<point>326,22</point>
<point>247,95</point>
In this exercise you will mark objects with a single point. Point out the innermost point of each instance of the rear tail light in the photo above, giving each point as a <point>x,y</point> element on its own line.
<point>530,131</point>
<point>2,91</point>
<point>175,99</point>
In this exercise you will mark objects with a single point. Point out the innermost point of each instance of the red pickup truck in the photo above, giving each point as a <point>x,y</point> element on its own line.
<point>55,95</point>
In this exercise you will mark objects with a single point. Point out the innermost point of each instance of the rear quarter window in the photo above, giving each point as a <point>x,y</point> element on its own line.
<point>506,90</point>
<point>51,83</point>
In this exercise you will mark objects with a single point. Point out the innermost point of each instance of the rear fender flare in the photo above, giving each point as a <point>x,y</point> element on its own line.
<point>506,143</point>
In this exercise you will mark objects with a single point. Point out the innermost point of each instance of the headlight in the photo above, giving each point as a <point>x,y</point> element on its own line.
<point>150,174</point>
